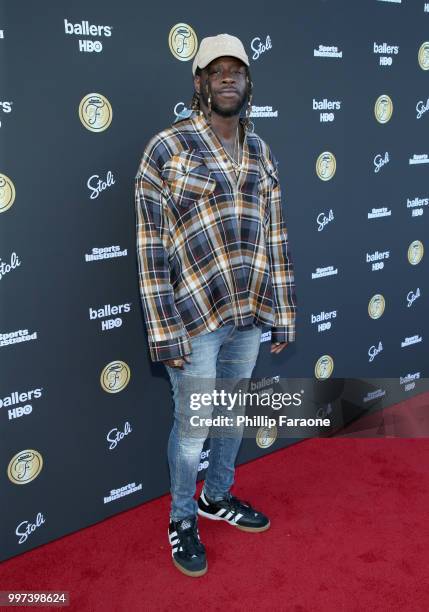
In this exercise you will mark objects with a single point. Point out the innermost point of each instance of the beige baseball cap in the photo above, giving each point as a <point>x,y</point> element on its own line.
<point>213,47</point>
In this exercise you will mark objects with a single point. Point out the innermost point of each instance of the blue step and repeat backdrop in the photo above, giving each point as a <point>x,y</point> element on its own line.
<point>341,93</point>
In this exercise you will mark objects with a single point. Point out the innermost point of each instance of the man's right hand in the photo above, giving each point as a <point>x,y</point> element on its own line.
<point>178,362</point>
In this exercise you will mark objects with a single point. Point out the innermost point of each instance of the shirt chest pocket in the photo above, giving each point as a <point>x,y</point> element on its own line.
<point>268,180</point>
<point>188,179</point>
<point>268,176</point>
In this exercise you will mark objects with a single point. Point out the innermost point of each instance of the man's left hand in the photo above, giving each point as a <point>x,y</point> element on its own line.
<point>277,347</point>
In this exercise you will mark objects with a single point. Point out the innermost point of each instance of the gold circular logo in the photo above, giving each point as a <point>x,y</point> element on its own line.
<point>115,376</point>
<point>326,166</point>
<point>95,112</point>
<point>324,367</point>
<point>7,192</point>
<point>383,108</point>
<point>25,466</point>
<point>376,306</point>
<point>183,42</point>
<point>415,252</point>
<point>266,436</point>
<point>423,56</point>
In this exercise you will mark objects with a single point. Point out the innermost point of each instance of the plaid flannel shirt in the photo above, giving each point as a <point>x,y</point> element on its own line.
<point>211,249</point>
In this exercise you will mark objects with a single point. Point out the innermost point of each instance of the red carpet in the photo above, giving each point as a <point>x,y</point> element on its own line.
<point>349,532</point>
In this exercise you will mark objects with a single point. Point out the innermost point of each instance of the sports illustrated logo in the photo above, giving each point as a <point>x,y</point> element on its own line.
<point>204,463</point>
<point>409,381</point>
<point>263,111</point>
<point>108,311</point>
<point>324,51</point>
<point>324,106</point>
<point>7,192</point>
<point>122,492</point>
<point>376,306</point>
<point>258,47</point>
<point>373,351</point>
<point>266,436</point>
<point>412,297</point>
<point>95,112</point>
<point>115,376</point>
<point>376,259</point>
<point>21,335</point>
<point>411,340</point>
<point>115,435</point>
<point>20,398</point>
<point>84,28</point>
<point>371,395</point>
<point>423,56</point>
<point>324,367</point>
<point>5,107</point>
<point>265,336</point>
<point>25,466</point>
<point>321,272</point>
<point>415,252</point>
<point>105,253</point>
<point>380,161</point>
<point>183,42</point>
<point>422,108</point>
<point>26,528</point>
<point>422,158</point>
<point>323,320</point>
<point>383,108</point>
<point>326,165</point>
<point>416,206</point>
<point>322,219</point>
<point>96,185</point>
<point>5,268</point>
<point>375,213</point>
<point>386,51</point>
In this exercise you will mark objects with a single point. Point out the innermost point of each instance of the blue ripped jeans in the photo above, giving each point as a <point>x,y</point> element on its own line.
<point>226,352</point>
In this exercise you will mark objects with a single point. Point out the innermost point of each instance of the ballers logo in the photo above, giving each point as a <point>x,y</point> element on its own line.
<point>115,376</point>
<point>7,192</point>
<point>423,56</point>
<point>266,436</point>
<point>326,166</point>
<point>415,252</point>
<point>383,108</point>
<point>95,112</point>
<point>25,466</point>
<point>324,367</point>
<point>376,306</point>
<point>183,42</point>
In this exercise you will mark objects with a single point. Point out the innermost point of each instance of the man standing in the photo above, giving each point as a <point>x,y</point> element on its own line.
<point>214,267</point>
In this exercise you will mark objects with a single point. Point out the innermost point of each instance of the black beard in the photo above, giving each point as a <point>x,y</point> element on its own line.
<point>235,110</point>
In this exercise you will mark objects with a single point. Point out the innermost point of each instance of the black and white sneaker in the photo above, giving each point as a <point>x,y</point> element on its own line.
<point>187,550</point>
<point>233,510</point>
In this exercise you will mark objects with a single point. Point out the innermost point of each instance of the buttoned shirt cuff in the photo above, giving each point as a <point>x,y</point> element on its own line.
<point>173,348</point>
<point>283,334</point>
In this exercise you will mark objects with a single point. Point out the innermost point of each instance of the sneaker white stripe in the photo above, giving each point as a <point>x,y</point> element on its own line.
<point>204,499</point>
<point>220,512</point>
<point>229,515</point>
<point>237,517</point>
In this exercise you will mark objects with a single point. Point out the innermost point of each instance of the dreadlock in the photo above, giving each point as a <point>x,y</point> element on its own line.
<point>195,102</point>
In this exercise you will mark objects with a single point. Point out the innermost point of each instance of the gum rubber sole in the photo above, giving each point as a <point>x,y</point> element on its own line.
<point>187,572</point>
